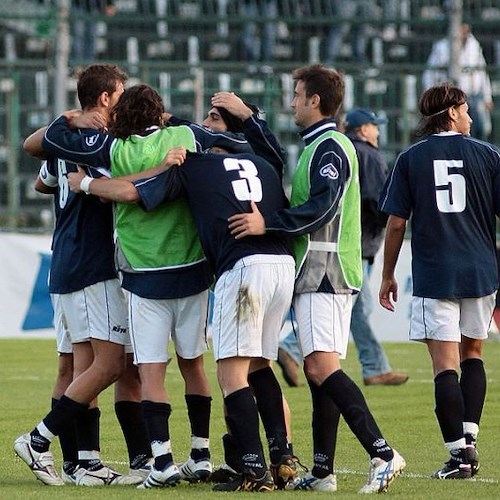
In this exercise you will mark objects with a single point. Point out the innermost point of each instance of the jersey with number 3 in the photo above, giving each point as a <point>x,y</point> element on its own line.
<point>218,186</point>
<point>449,185</point>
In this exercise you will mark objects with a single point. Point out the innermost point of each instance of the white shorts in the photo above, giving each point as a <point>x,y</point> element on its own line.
<point>449,319</point>
<point>63,340</point>
<point>153,322</point>
<point>324,321</point>
<point>98,312</point>
<point>251,302</point>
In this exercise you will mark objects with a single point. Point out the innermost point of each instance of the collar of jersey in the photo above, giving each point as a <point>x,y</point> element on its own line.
<point>448,132</point>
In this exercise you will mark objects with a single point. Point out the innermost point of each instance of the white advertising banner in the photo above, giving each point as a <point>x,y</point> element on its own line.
<point>393,326</point>
<point>26,310</point>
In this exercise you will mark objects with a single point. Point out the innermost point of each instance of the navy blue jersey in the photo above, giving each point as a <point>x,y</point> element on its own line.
<point>450,186</point>
<point>93,148</point>
<point>260,138</point>
<point>218,186</point>
<point>82,244</point>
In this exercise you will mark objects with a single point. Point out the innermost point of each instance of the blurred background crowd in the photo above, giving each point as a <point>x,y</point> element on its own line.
<point>390,50</point>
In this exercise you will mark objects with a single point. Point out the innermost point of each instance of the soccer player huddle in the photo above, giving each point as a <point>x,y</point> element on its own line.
<point>200,206</point>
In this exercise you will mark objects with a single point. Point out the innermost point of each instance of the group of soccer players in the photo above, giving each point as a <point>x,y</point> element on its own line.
<point>196,206</point>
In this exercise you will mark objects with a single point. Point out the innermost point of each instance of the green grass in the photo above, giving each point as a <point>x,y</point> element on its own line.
<point>405,414</point>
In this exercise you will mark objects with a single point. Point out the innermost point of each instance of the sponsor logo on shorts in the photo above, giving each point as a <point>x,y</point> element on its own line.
<point>120,329</point>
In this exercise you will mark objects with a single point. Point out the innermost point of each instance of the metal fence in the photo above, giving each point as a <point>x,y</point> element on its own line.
<point>188,49</point>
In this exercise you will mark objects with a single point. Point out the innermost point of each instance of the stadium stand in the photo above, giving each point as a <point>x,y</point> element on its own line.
<point>190,48</point>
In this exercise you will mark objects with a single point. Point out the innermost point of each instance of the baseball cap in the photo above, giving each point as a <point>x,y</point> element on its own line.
<point>357,117</point>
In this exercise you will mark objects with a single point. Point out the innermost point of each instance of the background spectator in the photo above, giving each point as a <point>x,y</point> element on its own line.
<point>259,33</point>
<point>353,17</point>
<point>84,14</point>
<point>473,79</point>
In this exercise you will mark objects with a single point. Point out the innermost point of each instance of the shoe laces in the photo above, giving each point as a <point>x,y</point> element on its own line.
<point>295,458</point>
<point>139,461</point>
<point>374,470</point>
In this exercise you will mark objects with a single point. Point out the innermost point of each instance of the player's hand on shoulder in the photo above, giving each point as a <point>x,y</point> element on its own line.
<point>72,113</point>
<point>247,224</point>
<point>88,119</point>
<point>175,157</point>
<point>165,117</point>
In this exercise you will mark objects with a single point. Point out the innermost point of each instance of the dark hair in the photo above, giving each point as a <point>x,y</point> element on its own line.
<point>327,83</point>
<point>434,105</point>
<point>96,79</point>
<point>233,123</point>
<point>139,107</point>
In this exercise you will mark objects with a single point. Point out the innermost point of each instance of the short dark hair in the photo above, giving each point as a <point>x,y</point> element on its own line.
<point>434,105</point>
<point>327,83</point>
<point>96,79</point>
<point>139,107</point>
<point>233,123</point>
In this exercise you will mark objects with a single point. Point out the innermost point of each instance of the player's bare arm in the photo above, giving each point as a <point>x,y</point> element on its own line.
<point>109,189</point>
<point>388,293</point>
<point>33,144</point>
<point>40,187</point>
<point>247,224</point>
<point>121,189</point>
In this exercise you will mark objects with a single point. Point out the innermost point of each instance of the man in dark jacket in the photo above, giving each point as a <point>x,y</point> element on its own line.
<point>362,127</point>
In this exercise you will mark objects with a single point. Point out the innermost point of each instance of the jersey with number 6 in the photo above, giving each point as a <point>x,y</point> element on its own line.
<point>216,187</point>
<point>449,185</point>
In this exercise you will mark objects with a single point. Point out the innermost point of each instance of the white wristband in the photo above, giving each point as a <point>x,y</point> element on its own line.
<point>85,184</point>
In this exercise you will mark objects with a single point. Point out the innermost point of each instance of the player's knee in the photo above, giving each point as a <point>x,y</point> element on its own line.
<point>191,367</point>
<point>65,368</point>
<point>316,372</point>
<point>113,368</point>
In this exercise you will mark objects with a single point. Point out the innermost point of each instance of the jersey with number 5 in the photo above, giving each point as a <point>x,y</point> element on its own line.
<point>449,185</point>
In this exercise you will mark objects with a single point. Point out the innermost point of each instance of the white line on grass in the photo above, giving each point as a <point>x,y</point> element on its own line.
<point>360,473</point>
<point>417,476</point>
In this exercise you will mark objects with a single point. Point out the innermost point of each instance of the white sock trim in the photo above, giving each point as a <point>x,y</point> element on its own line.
<point>455,445</point>
<point>42,429</point>
<point>471,428</point>
<point>160,448</point>
<point>88,455</point>
<point>198,443</point>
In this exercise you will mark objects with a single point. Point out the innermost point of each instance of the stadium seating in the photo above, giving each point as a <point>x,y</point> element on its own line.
<point>182,46</point>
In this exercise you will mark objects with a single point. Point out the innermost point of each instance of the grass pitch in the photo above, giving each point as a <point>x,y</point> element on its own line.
<point>405,414</point>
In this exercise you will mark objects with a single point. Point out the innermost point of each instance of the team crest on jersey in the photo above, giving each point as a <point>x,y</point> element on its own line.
<point>91,140</point>
<point>329,171</point>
